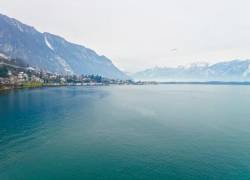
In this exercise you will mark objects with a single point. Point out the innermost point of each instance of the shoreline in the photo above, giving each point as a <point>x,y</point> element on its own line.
<point>39,85</point>
<point>21,87</point>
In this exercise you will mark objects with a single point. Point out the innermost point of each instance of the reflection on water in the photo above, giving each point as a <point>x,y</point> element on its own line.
<point>126,132</point>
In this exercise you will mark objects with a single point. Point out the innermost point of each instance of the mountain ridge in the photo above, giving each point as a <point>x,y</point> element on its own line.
<point>52,53</point>
<point>234,70</point>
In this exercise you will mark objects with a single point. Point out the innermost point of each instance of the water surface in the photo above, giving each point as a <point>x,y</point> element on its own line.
<point>188,132</point>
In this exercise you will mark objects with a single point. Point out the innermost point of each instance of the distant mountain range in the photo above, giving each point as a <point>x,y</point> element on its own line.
<point>44,51</point>
<point>236,70</point>
<point>51,53</point>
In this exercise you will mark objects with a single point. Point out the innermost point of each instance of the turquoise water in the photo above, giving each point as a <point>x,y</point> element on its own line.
<point>184,132</point>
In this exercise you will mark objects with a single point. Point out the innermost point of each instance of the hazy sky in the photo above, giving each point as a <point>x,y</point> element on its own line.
<point>138,34</point>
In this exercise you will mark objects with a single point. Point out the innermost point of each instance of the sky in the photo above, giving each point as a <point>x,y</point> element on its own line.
<point>141,34</point>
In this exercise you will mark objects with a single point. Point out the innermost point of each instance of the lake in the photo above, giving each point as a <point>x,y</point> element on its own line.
<point>177,132</point>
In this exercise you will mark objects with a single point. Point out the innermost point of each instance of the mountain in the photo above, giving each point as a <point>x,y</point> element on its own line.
<point>51,53</point>
<point>236,70</point>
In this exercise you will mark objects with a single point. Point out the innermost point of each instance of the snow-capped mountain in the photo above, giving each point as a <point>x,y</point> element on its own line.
<point>52,53</point>
<point>236,70</point>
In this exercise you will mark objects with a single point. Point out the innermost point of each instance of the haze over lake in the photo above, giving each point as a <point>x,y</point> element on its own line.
<point>126,132</point>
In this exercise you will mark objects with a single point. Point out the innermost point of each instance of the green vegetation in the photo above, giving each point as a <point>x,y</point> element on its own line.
<point>33,84</point>
<point>3,72</point>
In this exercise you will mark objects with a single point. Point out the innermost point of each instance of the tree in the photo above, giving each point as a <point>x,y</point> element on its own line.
<point>3,72</point>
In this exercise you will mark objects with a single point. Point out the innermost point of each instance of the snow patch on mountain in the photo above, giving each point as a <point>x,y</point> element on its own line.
<point>52,53</point>
<point>4,56</point>
<point>195,65</point>
<point>236,70</point>
<point>247,72</point>
<point>19,27</point>
<point>48,44</point>
<point>65,65</point>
